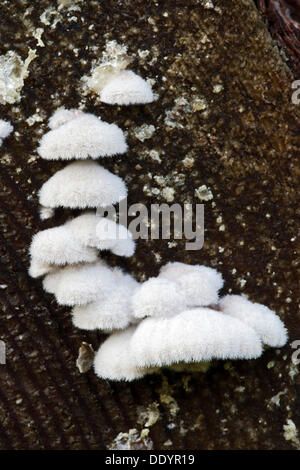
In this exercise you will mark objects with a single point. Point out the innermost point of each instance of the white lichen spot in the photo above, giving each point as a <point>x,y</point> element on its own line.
<point>6,159</point>
<point>166,398</point>
<point>132,440</point>
<point>150,415</point>
<point>50,17</point>
<point>168,194</point>
<point>293,370</point>
<point>172,244</point>
<point>113,60</point>
<point>218,88</point>
<point>207,4</point>
<point>154,155</point>
<point>168,443</point>
<point>199,104</point>
<point>143,54</point>
<point>160,180</point>
<point>242,282</point>
<point>144,132</point>
<point>31,120</point>
<point>204,193</point>
<point>13,72</point>
<point>37,34</point>
<point>175,115</point>
<point>188,162</point>
<point>275,400</point>
<point>290,432</point>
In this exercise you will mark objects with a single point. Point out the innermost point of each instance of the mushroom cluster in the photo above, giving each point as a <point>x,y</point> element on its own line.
<point>181,319</point>
<point>174,318</point>
<point>68,254</point>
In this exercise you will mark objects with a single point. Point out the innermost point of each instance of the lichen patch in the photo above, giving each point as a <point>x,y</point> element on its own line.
<point>13,72</point>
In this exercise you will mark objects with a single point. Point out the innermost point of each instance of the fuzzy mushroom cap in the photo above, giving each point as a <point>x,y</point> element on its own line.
<point>114,237</point>
<point>200,284</point>
<point>195,335</point>
<point>158,298</point>
<point>84,228</point>
<point>264,321</point>
<point>81,284</point>
<point>63,115</point>
<point>82,185</point>
<point>80,138</point>
<point>5,129</point>
<point>111,313</point>
<point>59,246</point>
<point>38,268</point>
<point>79,240</point>
<point>114,361</point>
<point>126,88</point>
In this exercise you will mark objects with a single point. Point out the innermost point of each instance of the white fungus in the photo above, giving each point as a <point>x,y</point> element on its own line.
<point>264,321</point>
<point>38,268</point>
<point>81,284</point>
<point>5,129</point>
<point>82,185</point>
<point>59,246</point>
<point>158,298</point>
<point>113,312</point>
<point>126,88</point>
<point>199,283</point>
<point>197,335</point>
<point>114,237</point>
<point>114,360</point>
<point>63,115</point>
<point>79,240</point>
<point>81,137</point>
<point>166,321</point>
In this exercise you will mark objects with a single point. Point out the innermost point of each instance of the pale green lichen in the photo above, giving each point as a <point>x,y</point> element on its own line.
<point>13,72</point>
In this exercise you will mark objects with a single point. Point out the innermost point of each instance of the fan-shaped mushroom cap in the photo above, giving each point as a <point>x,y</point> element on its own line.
<point>84,228</point>
<point>79,240</point>
<point>158,298</point>
<point>5,129</point>
<point>82,137</point>
<point>82,185</point>
<point>81,284</point>
<point>264,321</point>
<point>114,360</point>
<point>199,283</point>
<point>108,313</point>
<point>114,237</point>
<point>196,335</point>
<point>126,88</point>
<point>59,246</point>
<point>63,115</point>
<point>38,268</point>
